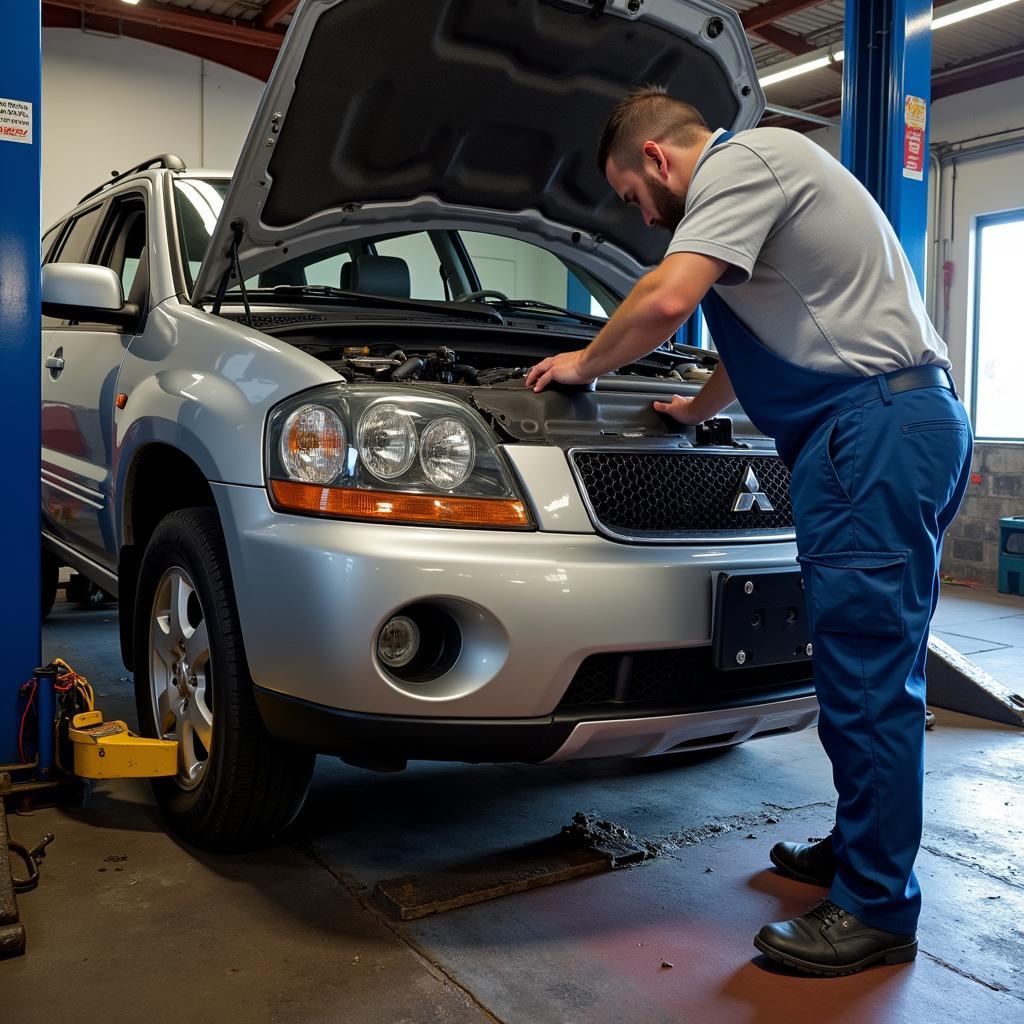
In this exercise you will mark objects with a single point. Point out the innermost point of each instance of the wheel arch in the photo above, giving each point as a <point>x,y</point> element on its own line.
<point>160,479</point>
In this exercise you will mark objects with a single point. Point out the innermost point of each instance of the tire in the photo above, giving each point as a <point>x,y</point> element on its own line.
<point>236,785</point>
<point>50,579</point>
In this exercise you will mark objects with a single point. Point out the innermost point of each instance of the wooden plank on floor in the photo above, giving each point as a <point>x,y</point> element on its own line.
<point>546,862</point>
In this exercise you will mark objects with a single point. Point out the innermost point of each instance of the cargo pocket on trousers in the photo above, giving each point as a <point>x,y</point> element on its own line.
<point>855,591</point>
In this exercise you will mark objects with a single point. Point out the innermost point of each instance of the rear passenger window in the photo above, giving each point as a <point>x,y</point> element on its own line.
<point>75,245</point>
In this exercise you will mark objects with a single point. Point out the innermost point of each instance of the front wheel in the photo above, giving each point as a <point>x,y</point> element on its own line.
<point>236,784</point>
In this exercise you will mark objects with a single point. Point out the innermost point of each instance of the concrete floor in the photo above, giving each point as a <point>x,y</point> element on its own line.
<point>131,925</point>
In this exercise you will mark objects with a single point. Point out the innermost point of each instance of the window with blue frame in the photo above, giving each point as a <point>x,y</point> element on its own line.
<point>998,328</point>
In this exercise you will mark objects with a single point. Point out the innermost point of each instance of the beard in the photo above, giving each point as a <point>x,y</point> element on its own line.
<point>670,207</point>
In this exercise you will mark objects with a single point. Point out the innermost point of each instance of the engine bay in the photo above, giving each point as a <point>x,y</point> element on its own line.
<point>385,363</point>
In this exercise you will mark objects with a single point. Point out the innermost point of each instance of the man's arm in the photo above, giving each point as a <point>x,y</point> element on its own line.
<point>659,304</point>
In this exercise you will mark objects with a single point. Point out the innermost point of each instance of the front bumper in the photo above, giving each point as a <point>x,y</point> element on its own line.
<point>312,595</point>
<point>388,741</point>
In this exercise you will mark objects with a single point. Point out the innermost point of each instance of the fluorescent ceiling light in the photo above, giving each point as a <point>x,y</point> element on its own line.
<point>129,1</point>
<point>970,12</point>
<point>961,11</point>
<point>802,69</point>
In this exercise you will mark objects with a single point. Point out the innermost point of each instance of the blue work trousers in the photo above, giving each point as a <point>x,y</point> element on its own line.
<point>874,490</point>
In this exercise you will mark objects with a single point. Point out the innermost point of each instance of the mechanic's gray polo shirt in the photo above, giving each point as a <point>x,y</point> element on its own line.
<point>816,270</point>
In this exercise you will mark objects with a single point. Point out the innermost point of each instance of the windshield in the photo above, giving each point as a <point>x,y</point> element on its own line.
<point>442,265</point>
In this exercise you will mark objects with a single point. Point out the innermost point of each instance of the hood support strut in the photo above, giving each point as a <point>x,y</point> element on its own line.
<point>234,269</point>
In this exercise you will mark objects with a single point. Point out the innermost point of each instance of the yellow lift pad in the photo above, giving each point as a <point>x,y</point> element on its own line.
<point>110,750</point>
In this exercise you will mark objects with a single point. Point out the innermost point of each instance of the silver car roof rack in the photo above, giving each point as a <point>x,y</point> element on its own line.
<point>166,160</point>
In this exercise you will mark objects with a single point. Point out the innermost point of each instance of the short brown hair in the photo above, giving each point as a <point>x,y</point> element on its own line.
<point>647,113</point>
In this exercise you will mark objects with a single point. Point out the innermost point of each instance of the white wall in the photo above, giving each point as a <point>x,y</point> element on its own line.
<point>984,185</point>
<point>110,103</point>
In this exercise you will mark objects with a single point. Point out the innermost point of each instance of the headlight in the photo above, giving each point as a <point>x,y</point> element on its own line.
<point>424,459</point>
<point>447,453</point>
<point>313,445</point>
<point>387,441</point>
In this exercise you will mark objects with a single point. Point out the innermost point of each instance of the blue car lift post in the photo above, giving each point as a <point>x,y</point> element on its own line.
<point>20,142</point>
<point>886,119</point>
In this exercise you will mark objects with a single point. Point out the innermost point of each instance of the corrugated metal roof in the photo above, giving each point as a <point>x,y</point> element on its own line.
<point>965,41</point>
<point>814,21</point>
<point>240,10</point>
<point>977,37</point>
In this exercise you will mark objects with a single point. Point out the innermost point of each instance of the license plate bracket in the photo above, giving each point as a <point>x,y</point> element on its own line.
<point>760,619</point>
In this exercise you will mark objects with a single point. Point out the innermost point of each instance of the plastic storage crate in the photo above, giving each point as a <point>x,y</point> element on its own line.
<point>1011,555</point>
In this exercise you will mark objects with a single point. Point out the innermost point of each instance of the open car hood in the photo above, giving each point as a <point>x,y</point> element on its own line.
<point>478,114</point>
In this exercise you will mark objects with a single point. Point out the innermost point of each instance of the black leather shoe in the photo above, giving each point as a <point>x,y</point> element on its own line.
<point>814,863</point>
<point>830,942</point>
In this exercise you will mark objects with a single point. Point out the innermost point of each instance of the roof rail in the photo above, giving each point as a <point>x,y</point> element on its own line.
<point>168,160</point>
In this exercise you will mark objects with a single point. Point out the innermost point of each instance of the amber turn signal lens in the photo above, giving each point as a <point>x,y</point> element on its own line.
<point>390,507</point>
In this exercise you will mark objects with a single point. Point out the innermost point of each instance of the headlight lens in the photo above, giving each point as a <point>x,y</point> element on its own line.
<point>313,444</point>
<point>447,453</point>
<point>378,454</point>
<point>387,441</point>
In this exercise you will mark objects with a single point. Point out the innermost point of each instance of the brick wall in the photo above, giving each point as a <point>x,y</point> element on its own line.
<point>972,543</point>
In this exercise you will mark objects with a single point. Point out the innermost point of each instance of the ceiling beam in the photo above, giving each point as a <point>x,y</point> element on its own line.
<point>772,11</point>
<point>255,61</point>
<point>788,41</point>
<point>977,73</point>
<point>275,11</point>
<point>828,108</point>
<point>174,18</point>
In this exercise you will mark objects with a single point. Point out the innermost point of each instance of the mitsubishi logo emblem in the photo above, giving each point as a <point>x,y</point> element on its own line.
<point>750,493</point>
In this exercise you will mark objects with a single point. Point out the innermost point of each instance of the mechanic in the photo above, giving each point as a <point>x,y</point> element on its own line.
<point>824,340</point>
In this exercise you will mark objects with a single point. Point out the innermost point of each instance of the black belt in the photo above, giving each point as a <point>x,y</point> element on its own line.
<point>918,377</point>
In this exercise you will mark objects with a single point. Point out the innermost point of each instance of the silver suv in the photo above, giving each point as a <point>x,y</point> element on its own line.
<point>284,422</point>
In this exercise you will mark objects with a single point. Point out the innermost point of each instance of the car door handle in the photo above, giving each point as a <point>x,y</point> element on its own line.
<point>55,363</point>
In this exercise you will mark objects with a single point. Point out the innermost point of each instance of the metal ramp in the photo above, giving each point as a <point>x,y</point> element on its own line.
<point>956,683</point>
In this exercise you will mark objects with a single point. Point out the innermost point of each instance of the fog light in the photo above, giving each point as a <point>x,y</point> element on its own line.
<point>399,642</point>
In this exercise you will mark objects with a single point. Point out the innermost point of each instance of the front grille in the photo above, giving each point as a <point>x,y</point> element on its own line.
<point>683,677</point>
<point>683,495</point>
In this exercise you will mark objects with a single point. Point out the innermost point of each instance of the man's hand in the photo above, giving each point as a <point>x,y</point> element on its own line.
<point>563,368</point>
<point>716,394</point>
<point>681,409</point>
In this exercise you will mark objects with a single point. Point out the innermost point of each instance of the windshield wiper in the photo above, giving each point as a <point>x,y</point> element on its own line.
<point>548,307</point>
<point>326,291</point>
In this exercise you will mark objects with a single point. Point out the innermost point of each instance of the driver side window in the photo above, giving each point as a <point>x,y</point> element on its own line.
<point>124,239</point>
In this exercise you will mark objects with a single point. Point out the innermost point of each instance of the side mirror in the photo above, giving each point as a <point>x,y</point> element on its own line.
<point>80,291</point>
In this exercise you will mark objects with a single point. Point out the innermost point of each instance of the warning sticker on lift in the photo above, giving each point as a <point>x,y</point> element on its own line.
<point>915,117</point>
<point>15,121</point>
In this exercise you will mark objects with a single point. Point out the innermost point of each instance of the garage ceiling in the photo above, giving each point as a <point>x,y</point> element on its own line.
<point>245,35</point>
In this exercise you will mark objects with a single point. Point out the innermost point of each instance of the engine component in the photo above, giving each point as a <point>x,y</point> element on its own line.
<point>716,432</point>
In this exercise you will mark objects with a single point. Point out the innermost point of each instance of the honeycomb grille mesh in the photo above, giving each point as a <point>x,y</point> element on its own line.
<point>682,677</point>
<point>262,321</point>
<point>678,494</point>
